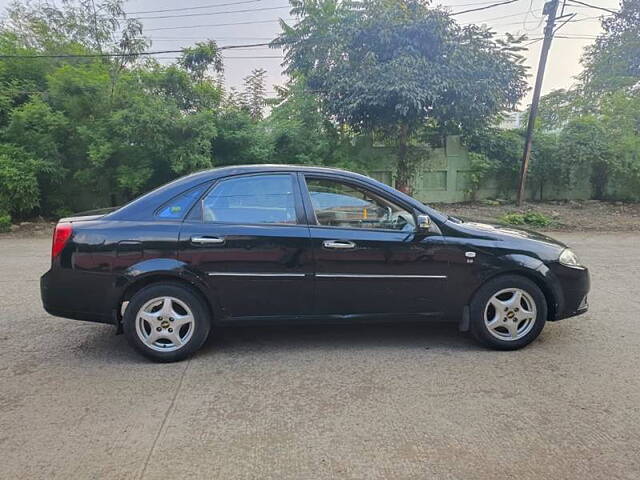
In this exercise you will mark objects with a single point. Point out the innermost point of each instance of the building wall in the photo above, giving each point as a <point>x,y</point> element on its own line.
<point>443,174</point>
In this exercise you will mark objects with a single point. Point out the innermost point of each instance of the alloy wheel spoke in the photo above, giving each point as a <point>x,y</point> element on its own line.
<point>150,318</point>
<point>153,336</point>
<point>516,300</point>
<point>512,327</point>
<point>180,320</point>
<point>167,308</point>
<point>499,305</point>
<point>174,338</point>
<point>495,323</point>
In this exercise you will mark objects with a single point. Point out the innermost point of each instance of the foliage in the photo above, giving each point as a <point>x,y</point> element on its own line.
<point>393,66</point>
<point>613,61</point>
<point>19,190</point>
<point>199,59</point>
<point>585,145</point>
<point>532,219</point>
<point>5,222</point>
<point>253,98</point>
<point>302,134</point>
<point>503,151</point>
<point>557,108</point>
<point>480,167</point>
<point>83,132</point>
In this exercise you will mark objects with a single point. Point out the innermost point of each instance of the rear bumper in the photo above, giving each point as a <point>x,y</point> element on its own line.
<point>78,299</point>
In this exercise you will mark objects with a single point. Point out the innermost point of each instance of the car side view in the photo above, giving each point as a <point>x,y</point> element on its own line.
<point>283,243</point>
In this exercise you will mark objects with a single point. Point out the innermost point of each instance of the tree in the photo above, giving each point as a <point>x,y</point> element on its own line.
<point>585,145</point>
<point>613,61</point>
<point>301,133</point>
<point>557,108</point>
<point>199,59</point>
<point>393,66</point>
<point>253,97</point>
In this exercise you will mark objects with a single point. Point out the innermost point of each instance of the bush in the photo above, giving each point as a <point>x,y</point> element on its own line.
<point>532,219</point>
<point>19,190</point>
<point>5,222</point>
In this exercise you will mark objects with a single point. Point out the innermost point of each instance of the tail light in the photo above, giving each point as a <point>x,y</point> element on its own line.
<point>61,236</point>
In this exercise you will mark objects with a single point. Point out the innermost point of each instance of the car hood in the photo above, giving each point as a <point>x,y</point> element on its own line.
<point>498,232</point>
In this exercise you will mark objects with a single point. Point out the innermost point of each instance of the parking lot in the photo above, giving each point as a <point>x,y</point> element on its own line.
<point>352,402</point>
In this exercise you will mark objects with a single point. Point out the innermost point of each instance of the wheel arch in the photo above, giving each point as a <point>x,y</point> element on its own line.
<point>143,281</point>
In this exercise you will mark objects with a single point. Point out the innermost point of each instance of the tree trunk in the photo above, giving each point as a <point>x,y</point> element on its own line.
<point>404,173</point>
<point>599,179</point>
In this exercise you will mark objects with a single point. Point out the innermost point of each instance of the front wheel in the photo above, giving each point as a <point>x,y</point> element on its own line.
<point>508,312</point>
<point>166,322</point>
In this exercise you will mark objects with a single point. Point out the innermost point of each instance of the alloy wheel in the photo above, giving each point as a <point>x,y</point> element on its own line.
<point>510,314</point>
<point>165,324</point>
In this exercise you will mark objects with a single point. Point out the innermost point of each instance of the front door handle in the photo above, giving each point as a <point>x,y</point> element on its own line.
<point>339,244</point>
<point>204,240</point>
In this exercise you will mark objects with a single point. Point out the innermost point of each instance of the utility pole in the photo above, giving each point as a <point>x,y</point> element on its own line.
<point>550,9</point>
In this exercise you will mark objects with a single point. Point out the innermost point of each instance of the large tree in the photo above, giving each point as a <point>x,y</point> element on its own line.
<point>394,66</point>
<point>613,61</point>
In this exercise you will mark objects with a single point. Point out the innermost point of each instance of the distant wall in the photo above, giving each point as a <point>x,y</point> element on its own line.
<point>443,174</point>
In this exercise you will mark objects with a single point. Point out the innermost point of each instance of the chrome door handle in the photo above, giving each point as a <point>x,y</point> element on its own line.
<point>339,244</point>
<point>207,240</point>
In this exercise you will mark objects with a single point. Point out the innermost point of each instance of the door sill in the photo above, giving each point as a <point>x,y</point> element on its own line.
<point>334,318</point>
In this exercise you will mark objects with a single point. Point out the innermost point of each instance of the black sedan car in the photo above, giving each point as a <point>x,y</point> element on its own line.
<point>301,244</point>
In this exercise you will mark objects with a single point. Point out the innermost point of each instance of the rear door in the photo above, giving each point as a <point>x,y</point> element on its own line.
<point>369,258</point>
<point>249,238</point>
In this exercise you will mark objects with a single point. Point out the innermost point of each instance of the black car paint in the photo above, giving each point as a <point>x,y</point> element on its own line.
<point>109,257</point>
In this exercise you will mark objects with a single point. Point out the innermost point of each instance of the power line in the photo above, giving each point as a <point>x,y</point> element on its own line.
<point>217,24</point>
<point>584,4</point>
<point>226,12</point>
<point>98,55</point>
<point>493,5</point>
<point>497,18</point>
<point>182,9</point>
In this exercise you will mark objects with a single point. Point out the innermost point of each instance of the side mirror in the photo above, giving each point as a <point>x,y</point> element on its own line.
<point>423,223</point>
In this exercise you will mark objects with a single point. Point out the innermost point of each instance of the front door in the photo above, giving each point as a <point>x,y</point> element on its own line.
<point>368,257</point>
<point>250,240</point>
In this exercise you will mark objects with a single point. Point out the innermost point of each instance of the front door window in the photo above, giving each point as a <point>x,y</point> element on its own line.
<point>340,205</point>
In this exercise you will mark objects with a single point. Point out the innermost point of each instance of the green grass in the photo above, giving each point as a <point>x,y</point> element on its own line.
<point>530,219</point>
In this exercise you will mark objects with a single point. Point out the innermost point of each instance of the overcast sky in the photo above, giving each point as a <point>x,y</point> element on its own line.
<point>522,16</point>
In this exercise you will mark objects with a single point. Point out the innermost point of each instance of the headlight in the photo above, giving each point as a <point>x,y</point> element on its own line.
<point>569,259</point>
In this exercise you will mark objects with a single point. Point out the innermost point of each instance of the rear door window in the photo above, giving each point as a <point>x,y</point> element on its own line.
<point>252,200</point>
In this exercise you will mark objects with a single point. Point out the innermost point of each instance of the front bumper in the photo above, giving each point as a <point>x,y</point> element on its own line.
<point>575,284</point>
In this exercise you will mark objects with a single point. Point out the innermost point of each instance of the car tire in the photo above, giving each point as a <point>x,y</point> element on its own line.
<point>507,312</point>
<point>166,322</point>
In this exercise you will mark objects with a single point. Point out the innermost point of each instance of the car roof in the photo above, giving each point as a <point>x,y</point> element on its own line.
<point>267,167</point>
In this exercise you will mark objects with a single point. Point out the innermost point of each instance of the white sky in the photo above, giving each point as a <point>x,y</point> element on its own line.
<point>522,16</point>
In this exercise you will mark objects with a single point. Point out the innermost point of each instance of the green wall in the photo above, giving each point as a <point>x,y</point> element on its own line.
<point>442,174</point>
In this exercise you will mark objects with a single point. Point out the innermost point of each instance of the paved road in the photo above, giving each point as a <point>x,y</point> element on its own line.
<point>374,402</point>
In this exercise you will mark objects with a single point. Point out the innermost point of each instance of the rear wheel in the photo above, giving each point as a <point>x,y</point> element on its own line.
<point>508,312</point>
<point>166,322</point>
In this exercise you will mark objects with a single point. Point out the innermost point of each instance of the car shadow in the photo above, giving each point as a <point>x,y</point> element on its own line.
<point>433,335</point>
<point>102,345</point>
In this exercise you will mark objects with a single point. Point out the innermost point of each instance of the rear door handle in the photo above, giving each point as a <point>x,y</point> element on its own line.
<point>339,244</point>
<point>204,240</point>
